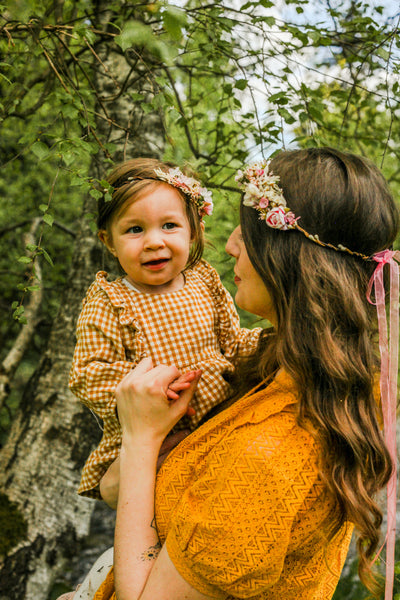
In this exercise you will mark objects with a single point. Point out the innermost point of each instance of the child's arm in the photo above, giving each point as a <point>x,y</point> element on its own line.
<point>99,361</point>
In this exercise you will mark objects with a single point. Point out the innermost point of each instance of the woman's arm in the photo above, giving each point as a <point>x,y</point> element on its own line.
<point>109,483</point>
<point>146,416</point>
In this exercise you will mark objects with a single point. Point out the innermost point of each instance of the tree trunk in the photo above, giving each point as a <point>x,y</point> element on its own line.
<point>42,519</point>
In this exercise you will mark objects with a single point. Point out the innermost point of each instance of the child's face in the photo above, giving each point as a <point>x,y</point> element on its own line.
<point>151,238</point>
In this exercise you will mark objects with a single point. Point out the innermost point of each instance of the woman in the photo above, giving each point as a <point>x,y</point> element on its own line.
<point>260,501</point>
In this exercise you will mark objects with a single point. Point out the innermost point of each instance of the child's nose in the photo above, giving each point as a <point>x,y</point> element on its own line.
<point>154,239</point>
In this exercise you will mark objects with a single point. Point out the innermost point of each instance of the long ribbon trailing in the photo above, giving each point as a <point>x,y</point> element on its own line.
<point>389,350</point>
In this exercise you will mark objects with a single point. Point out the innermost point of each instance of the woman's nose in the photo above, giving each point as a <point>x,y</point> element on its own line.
<point>231,245</point>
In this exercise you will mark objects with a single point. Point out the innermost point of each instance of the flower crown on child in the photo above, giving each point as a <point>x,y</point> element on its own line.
<point>262,192</point>
<point>189,186</point>
<point>192,188</point>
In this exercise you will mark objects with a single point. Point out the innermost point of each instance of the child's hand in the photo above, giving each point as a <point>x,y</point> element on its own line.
<point>182,383</point>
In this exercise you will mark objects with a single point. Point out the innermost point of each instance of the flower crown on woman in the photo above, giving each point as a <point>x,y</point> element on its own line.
<point>262,192</point>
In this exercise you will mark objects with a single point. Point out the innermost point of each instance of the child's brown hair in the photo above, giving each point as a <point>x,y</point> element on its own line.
<point>129,179</point>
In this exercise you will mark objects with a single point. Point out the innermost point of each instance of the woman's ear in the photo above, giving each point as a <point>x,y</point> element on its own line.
<point>107,241</point>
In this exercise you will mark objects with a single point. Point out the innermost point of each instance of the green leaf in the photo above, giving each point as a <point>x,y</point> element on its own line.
<point>69,111</point>
<point>40,150</point>
<point>174,19</point>
<point>43,207</point>
<point>49,219</point>
<point>19,311</point>
<point>315,36</point>
<point>31,247</point>
<point>96,194</point>
<point>241,84</point>
<point>279,98</point>
<point>24,259</point>
<point>47,257</point>
<point>5,78</point>
<point>285,114</point>
<point>134,33</point>
<point>68,158</point>
<point>90,36</point>
<point>136,97</point>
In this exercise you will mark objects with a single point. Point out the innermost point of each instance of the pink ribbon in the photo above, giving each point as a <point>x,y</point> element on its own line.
<point>389,350</point>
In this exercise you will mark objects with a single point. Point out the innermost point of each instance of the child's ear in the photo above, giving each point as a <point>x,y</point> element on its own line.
<point>202,225</point>
<point>107,241</point>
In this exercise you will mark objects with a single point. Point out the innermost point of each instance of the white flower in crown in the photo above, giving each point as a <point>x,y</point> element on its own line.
<point>201,196</point>
<point>262,192</point>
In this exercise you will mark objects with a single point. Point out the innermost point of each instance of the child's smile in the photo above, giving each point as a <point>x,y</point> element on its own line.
<point>151,238</point>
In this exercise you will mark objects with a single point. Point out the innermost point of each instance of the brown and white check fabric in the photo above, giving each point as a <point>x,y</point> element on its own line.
<point>196,327</point>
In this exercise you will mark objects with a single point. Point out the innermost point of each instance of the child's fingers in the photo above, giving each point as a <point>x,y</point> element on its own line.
<point>182,382</point>
<point>187,394</point>
<point>171,395</point>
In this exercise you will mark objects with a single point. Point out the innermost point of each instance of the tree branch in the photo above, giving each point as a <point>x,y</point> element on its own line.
<point>32,311</point>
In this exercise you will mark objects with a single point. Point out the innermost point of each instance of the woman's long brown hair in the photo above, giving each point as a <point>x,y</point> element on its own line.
<point>326,332</point>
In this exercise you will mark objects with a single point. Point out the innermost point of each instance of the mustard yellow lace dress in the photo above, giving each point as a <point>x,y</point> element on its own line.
<point>242,509</point>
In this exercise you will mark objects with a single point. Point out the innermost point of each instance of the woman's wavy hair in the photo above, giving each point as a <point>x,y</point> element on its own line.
<point>130,179</point>
<point>326,330</point>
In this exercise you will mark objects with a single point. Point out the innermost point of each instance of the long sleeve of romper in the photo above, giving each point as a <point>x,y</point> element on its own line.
<point>104,353</point>
<point>100,359</point>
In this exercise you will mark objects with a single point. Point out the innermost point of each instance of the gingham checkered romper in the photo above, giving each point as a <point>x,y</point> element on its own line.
<point>196,327</point>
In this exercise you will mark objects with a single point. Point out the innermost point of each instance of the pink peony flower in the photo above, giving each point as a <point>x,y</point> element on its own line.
<point>276,218</point>
<point>263,203</point>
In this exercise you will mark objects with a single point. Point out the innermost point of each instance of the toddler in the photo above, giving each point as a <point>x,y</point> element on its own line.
<point>169,305</point>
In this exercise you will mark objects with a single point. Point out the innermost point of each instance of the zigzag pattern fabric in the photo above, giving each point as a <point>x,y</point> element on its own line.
<point>242,508</point>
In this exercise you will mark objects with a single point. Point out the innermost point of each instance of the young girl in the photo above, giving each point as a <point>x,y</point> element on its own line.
<point>170,305</point>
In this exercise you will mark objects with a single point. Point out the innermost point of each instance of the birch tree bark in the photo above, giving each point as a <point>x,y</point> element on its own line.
<point>42,518</point>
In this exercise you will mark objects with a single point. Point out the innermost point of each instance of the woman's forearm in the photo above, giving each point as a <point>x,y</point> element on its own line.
<point>136,540</point>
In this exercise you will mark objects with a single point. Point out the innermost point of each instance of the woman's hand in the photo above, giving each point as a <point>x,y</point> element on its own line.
<point>144,409</point>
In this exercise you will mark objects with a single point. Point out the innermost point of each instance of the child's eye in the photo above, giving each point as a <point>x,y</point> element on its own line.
<point>170,225</point>
<point>135,229</point>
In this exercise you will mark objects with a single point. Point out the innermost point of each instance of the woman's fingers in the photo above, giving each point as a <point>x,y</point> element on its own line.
<point>144,405</point>
<point>145,365</point>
